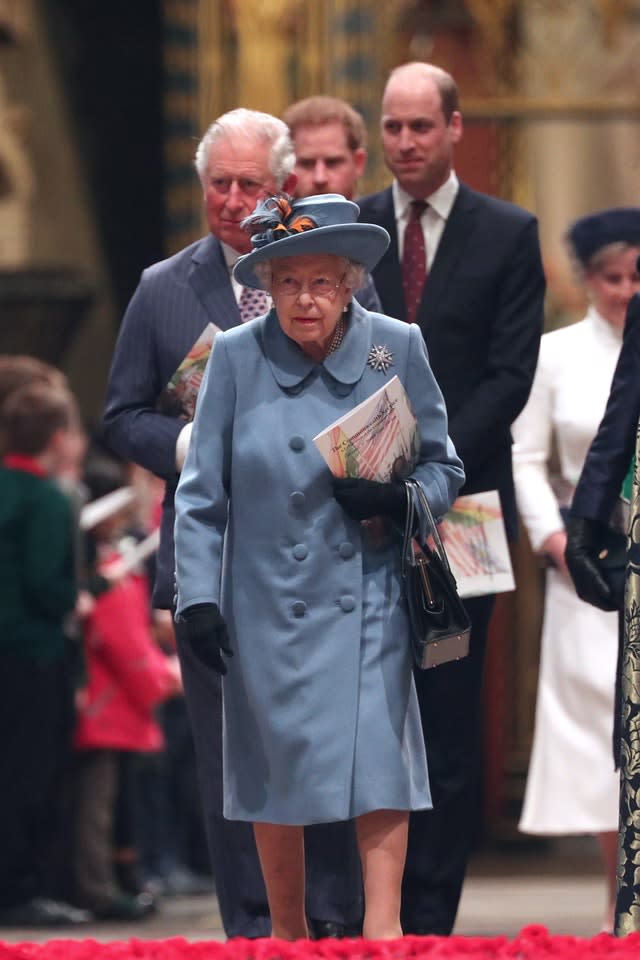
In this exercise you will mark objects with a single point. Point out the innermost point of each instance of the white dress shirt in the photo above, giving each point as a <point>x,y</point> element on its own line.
<point>230,256</point>
<point>433,219</point>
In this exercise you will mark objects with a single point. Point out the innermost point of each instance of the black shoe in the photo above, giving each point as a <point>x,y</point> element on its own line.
<point>127,877</point>
<point>127,908</point>
<point>42,912</point>
<point>332,929</point>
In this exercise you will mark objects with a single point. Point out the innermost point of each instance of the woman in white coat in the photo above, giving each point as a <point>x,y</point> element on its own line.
<point>572,786</point>
<point>280,587</point>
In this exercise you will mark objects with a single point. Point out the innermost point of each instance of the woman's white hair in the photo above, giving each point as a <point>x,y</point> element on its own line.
<point>355,275</point>
<point>599,260</point>
<point>261,127</point>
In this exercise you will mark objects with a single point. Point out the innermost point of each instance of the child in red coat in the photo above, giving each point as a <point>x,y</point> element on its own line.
<point>127,676</point>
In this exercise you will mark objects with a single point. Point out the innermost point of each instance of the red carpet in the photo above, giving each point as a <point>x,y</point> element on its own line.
<point>532,943</point>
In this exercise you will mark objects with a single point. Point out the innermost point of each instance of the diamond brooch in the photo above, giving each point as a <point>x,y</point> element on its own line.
<point>380,358</point>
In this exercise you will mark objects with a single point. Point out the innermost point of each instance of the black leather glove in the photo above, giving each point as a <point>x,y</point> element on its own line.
<point>363,499</point>
<point>584,539</point>
<point>202,627</point>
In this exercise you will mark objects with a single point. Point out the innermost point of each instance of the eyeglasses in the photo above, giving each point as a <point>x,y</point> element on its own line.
<point>251,188</point>
<point>322,288</point>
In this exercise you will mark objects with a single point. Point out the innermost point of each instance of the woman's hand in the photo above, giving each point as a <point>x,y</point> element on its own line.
<point>363,499</point>
<point>202,628</point>
<point>554,547</point>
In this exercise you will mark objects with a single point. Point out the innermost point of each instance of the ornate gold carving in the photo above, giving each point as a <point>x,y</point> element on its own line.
<point>613,14</point>
<point>264,30</point>
<point>496,24</point>
<point>551,107</point>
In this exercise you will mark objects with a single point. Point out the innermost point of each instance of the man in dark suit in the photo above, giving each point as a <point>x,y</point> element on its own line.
<point>244,157</point>
<point>330,144</point>
<point>475,285</point>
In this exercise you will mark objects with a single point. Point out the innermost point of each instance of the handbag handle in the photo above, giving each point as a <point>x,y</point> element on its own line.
<point>414,485</point>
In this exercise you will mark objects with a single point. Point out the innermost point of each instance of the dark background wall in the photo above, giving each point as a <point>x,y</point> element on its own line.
<point>109,53</point>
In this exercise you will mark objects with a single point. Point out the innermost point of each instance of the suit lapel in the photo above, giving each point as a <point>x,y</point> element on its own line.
<point>209,278</point>
<point>388,274</point>
<point>457,231</point>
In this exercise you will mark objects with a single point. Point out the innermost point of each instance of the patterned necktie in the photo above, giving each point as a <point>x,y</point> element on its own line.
<point>253,303</point>
<point>414,260</point>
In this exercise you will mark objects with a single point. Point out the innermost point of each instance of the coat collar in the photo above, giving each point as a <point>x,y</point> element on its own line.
<point>290,365</point>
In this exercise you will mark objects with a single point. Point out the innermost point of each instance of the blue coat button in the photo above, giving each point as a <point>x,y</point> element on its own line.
<point>297,443</point>
<point>347,603</point>
<point>297,499</point>
<point>300,552</point>
<point>299,608</point>
<point>346,550</point>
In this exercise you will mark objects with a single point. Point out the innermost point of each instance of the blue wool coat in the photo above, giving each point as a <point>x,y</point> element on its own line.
<point>321,721</point>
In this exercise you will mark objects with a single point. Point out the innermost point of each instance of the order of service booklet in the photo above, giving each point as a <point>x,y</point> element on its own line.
<point>476,543</point>
<point>178,399</point>
<point>378,438</point>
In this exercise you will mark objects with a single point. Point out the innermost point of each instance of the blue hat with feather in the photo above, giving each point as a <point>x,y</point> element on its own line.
<point>322,224</point>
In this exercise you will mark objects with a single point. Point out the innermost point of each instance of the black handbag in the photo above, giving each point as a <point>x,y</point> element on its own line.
<point>439,624</point>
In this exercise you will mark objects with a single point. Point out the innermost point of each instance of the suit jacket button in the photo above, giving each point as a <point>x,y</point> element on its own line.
<point>298,608</point>
<point>297,443</point>
<point>346,550</point>
<point>300,552</point>
<point>347,603</point>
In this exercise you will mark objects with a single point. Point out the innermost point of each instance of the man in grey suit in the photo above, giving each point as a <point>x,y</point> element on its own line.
<point>243,157</point>
<point>478,299</point>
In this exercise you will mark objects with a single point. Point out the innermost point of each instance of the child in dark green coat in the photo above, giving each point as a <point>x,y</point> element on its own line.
<point>40,424</point>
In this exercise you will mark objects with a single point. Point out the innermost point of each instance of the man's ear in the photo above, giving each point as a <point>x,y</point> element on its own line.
<point>289,185</point>
<point>455,126</point>
<point>360,160</point>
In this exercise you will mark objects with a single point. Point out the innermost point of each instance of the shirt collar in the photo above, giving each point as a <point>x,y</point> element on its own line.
<point>441,200</point>
<point>606,329</point>
<point>290,365</point>
<point>230,255</point>
<point>19,461</point>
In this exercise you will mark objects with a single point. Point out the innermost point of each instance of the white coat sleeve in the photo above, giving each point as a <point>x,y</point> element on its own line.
<point>533,443</point>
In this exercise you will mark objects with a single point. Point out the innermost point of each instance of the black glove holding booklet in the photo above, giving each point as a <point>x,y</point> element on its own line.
<point>363,499</point>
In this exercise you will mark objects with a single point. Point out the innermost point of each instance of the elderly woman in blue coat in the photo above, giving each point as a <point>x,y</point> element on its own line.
<point>281,587</point>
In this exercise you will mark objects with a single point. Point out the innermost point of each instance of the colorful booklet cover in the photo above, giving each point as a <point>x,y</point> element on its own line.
<point>376,439</point>
<point>379,438</point>
<point>178,399</point>
<point>476,543</point>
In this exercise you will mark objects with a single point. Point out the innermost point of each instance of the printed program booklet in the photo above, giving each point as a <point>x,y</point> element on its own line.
<point>178,399</point>
<point>380,437</point>
<point>376,439</point>
<point>476,543</point>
